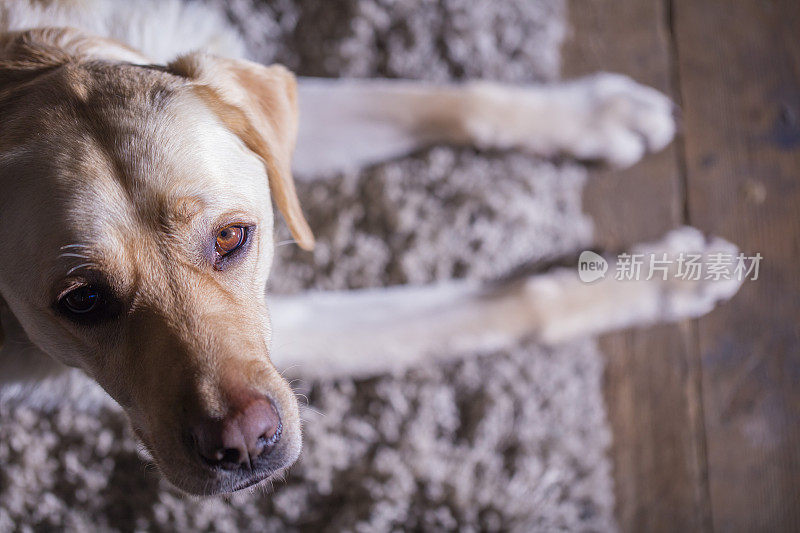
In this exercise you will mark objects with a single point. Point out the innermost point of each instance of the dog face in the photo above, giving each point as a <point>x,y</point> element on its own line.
<point>136,225</point>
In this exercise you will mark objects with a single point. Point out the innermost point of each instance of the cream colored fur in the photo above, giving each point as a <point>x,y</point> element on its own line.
<point>117,170</point>
<point>333,334</point>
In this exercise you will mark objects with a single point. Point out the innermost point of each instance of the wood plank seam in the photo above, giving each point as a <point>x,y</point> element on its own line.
<point>692,333</point>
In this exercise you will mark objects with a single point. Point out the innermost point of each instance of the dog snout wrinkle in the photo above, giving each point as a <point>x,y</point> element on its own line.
<point>249,431</point>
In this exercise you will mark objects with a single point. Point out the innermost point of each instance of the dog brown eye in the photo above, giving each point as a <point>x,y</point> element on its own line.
<point>82,300</point>
<point>229,239</point>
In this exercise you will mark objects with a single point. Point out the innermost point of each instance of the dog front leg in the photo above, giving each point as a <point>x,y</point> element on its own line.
<point>348,124</point>
<point>361,333</point>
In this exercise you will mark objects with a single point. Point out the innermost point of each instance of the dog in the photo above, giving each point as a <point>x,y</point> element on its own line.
<point>137,180</point>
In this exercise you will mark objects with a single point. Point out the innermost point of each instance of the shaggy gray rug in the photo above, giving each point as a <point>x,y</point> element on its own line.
<point>500,441</point>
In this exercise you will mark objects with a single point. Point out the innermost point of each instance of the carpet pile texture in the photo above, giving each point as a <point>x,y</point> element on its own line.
<point>513,440</point>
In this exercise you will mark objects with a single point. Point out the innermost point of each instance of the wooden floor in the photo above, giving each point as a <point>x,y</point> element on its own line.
<point>706,414</point>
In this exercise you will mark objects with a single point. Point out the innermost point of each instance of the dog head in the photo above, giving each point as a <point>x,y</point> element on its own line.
<point>137,237</point>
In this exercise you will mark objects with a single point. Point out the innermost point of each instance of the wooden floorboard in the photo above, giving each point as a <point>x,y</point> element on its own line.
<point>739,71</point>
<point>652,375</point>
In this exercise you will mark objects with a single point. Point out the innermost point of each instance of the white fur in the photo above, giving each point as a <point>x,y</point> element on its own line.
<point>160,29</point>
<point>373,331</point>
<point>346,124</point>
<point>352,123</point>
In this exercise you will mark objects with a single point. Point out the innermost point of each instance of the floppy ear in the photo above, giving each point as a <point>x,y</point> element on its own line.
<point>23,56</point>
<point>259,104</point>
<point>27,54</point>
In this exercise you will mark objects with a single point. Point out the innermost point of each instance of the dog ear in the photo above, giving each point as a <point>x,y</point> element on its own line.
<point>259,104</point>
<point>27,54</point>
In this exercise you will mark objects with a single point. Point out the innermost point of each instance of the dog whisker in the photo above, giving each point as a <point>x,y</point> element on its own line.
<point>283,372</point>
<point>82,265</point>
<point>303,396</point>
<point>69,254</point>
<point>306,407</point>
<point>284,243</point>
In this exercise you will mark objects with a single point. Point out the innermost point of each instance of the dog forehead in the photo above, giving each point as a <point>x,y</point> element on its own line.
<point>151,126</point>
<point>130,145</point>
<point>110,161</point>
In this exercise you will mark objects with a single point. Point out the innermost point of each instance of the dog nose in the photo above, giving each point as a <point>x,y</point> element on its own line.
<point>250,430</point>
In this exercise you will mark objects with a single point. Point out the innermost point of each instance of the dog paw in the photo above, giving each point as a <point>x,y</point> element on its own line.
<point>619,119</point>
<point>684,294</point>
<point>606,117</point>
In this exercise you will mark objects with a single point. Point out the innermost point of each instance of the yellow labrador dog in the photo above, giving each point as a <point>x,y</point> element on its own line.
<point>136,186</point>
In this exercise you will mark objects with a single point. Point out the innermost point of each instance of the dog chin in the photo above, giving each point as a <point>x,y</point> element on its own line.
<point>221,485</point>
<point>197,480</point>
<point>257,482</point>
<point>203,483</point>
<point>189,475</point>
